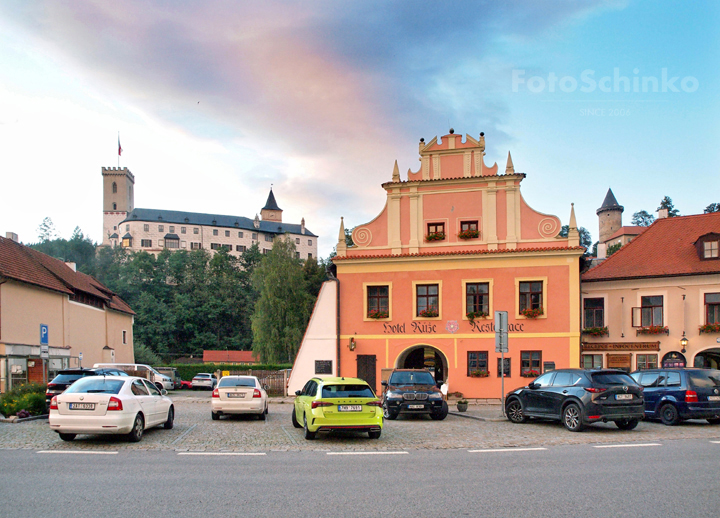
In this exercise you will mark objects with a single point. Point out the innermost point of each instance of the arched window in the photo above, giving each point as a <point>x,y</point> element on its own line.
<point>114,206</point>
<point>114,188</point>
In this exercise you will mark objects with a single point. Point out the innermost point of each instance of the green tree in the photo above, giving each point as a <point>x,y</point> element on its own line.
<point>713,207</point>
<point>666,203</point>
<point>46,230</point>
<point>613,248</point>
<point>585,236</point>
<point>643,218</point>
<point>282,310</point>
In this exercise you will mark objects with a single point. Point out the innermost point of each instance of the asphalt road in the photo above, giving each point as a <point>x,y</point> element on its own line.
<point>653,479</point>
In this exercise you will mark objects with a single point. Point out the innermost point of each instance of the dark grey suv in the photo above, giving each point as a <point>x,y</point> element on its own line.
<point>413,391</point>
<point>578,397</point>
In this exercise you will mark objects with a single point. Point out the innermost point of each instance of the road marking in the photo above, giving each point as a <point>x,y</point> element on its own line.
<point>628,445</point>
<point>219,453</point>
<point>81,452</point>
<point>715,442</point>
<point>506,449</point>
<point>367,453</point>
<point>182,436</point>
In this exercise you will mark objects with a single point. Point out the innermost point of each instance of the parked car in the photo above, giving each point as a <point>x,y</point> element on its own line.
<point>172,373</point>
<point>110,405</point>
<point>673,395</point>
<point>413,391</point>
<point>204,380</point>
<point>67,377</point>
<point>337,404</point>
<point>140,369</point>
<point>239,395</point>
<point>579,397</point>
<point>185,384</point>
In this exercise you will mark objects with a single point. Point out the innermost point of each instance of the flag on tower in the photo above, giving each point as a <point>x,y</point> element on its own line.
<point>119,147</point>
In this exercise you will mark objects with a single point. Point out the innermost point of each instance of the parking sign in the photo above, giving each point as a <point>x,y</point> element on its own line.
<point>44,332</point>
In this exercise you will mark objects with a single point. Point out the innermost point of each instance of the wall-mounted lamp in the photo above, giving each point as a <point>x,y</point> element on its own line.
<point>351,345</point>
<point>683,343</point>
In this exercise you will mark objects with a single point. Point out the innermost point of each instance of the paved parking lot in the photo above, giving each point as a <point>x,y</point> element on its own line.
<point>481,427</point>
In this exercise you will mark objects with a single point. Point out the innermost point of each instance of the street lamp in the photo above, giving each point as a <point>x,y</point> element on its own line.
<point>683,343</point>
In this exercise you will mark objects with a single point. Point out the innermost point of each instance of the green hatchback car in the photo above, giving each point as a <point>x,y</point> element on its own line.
<point>337,404</point>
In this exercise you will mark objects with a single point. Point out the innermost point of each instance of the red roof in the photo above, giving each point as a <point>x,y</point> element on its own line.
<point>665,249</point>
<point>23,264</point>
<point>628,231</point>
<point>229,357</point>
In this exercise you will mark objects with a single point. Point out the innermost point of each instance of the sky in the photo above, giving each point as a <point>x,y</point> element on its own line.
<point>214,102</point>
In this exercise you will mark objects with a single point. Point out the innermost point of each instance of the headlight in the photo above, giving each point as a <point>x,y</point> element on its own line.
<point>394,395</point>
<point>435,395</point>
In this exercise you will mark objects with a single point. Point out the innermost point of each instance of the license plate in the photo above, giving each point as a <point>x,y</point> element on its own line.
<point>415,407</point>
<point>623,396</point>
<point>82,406</point>
<point>236,394</point>
<point>713,398</point>
<point>350,408</point>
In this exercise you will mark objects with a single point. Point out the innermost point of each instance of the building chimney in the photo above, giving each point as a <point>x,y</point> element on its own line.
<point>72,266</point>
<point>12,236</point>
<point>662,213</point>
<point>302,226</point>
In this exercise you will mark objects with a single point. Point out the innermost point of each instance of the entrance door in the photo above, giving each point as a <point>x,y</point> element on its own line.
<point>366,369</point>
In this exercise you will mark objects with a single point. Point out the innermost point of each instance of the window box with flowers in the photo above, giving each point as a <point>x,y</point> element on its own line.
<point>479,374</point>
<point>377,314</point>
<point>532,313</point>
<point>469,234</point>
<point>475,314</point>
<point>435,236</point>
<point>653,330</point>
<point>710,328</point>
<point>530,374</point>
<point>430,312</point>
<point>596,331</point>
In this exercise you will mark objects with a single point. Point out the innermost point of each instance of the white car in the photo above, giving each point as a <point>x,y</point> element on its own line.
<point>239,395</point>
<point>204,380</point>
<point>110,405</point>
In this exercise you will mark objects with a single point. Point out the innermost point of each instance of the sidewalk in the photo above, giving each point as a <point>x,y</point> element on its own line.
<point>480,409</point>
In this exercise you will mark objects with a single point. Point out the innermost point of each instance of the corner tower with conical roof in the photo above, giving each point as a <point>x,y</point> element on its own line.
<point>271,211</point>
<point>609,217</point>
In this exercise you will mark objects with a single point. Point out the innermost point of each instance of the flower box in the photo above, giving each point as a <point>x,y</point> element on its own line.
<point>479,374</point>
<point>532,313</point>
<point>468,234</point>
<point>475,314</point>
<point>377,313</point>
<point>435,236</point>
<point>428,313</point>
<point>596,331</point>
<point>710,328</point>
<point>653,330</point>
<point>530,374</point>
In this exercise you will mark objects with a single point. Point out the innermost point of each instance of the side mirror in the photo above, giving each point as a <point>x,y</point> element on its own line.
<point>163,392</point>
<point>532,385</point>
<point>298,392</point>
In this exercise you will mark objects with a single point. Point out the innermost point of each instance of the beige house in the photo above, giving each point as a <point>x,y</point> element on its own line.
<point>656,301</point>
<point>45,302</point>
<point>154,230</point>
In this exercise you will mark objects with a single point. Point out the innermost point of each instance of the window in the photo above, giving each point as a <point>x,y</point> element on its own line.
<point>171,229</point>
<point>254,236</point>
<point>127,228</point>
<point>468,225</point>
<point>565,379</point>
<point>114,206</point>
<point>268,238</point>
<point>531,295</point>
<point>468,230</point>
<point>297,255</point>
<point>124,337</point>
<point>477,298</point>
<point>146,227</point>
<point>196,230</point>
<point>297,240</point>
<point>161,228</point>
<point>530,362</point>
<point>172,243</point>
<point>114,188</point>
<point>711,249</point>
<point>594,310</point>
<point>146,243</point>
<point>227,247</point>
<point>215,246</point>
<point>427,301</point>
<point>183,229</point>
<point>309,256</point>
<point>127,242</point>
<point>378,301</point>
<point>195,246</point>
<point>240,248</point>
<point>227,233</point>
<point>240,235</point>
<point>183,244</point>
<point>215,232</point>
<point>712,308</point>
<point>477,364</point>
<point>309,242</point>
<point>647,361</point>
<point>266,251</point>
<point>435,231</point>
<point>506,367</point>
<point>161,243</point>
<point>592,361</point>
<point>650,313</point>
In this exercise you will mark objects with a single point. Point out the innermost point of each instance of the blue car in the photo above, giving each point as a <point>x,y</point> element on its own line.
<point>673,395</point>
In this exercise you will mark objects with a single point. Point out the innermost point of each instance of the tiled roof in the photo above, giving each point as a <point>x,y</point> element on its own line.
<point>229,357</point>
<point>464,252</point>
<point>23,264</point>
<point>665,249</point>
<point>628,231</point>
<point>212,220</point>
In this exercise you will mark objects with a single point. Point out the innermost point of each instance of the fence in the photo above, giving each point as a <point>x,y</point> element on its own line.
<point>276,380</point>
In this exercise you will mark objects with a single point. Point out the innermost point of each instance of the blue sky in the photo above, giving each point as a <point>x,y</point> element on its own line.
<point>216,101</point>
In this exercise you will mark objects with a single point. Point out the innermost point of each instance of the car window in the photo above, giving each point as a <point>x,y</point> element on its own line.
<point>237,382</point>
<point>152,388</point>
<point>330,391</point>
<point>563,379</point>
<point>95,385</point>
<point>411,378</point>
<point>612,378</point>
<point>705,379</point>
<point>138,388</point>
<point>69,378</point>
<point>673,379</point>
<point>651,379</point>
<point>312,388</point>
<point>544,380</point>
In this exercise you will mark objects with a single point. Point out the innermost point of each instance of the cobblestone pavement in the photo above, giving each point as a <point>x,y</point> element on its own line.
<point>482,426</point>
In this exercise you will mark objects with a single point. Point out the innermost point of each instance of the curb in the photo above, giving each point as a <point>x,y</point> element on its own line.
<point>13,419</point>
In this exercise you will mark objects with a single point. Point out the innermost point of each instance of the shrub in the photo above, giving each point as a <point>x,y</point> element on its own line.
<point>29,397</point>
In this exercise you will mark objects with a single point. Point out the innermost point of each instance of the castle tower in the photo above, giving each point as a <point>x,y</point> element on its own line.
<point>118,201</point>
<point>609,217</point>
<point>271,211</point>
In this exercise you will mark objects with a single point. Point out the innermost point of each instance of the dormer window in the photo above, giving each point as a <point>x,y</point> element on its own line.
<point>708,246</point>
<point>711,249</point>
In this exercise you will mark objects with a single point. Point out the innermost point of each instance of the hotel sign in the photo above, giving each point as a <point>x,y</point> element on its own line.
<point>621,346</point>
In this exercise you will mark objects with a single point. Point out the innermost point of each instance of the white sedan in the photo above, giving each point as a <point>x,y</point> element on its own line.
<point>239,395</point>
<point>110,405</point>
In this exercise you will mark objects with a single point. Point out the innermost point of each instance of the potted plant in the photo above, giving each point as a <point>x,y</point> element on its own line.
<point>530,374</point>
<point>462,405</point>
<point>652,330</point>
<point>429,312</point>
<point>531,313</point>
<point>596,331</point>
<point>468,234</point>
<point>377,313</point>
<point>435,236</point>
<point>710,328</point>
<point>475,314</point>
<point>479,373</point>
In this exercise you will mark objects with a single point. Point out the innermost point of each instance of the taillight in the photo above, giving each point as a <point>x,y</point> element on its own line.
<point>691,396</point>
<point>316,404</point>
<point>216,393</point>
<point>256,393</point>
<point>595,390</point>
<point>51,385</point>
<point>53,403</point>
<point>374,403</point>
<point>115,404</point>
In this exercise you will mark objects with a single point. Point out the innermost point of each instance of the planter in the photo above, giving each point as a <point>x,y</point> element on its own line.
<point>377,314</point>
<point>653,330</point>
<point>710,328</point>
<point>530,374</point>
<point>436,236</point>
<point>475,314</point>
<point>479,374</point>
<point>469,234</point>
<point>596,331</point>
<point>532,313</point>
<point>462,406</point>
<point>428,313</point>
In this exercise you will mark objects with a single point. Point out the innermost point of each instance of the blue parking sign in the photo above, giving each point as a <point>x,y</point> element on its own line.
<point>44,332</point>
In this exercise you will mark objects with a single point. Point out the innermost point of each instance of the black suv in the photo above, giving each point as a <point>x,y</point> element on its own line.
<point>579,397</point>
<point>413,392</point>
<point>67,377</point>
<point>676,394</point>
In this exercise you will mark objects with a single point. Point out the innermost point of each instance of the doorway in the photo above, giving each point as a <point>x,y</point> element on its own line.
<point>424,357</point>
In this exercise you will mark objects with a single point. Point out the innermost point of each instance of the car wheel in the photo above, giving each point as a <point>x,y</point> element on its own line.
<point>388,414</point>
<point>514,412</point>
<point>627,424</point>
<point>572,418</point>
<point>171,417</point>
<point>261,415</point>
<point>266,409</point>
<point>669,415</point>
<point>375,435</point>
<point>67,436</point>
<point>215,417</point>
<point>308,434</point>
<point>441,414</point>
<point>714,420</point>
<point>136,433</point>
<point>294,419</point>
